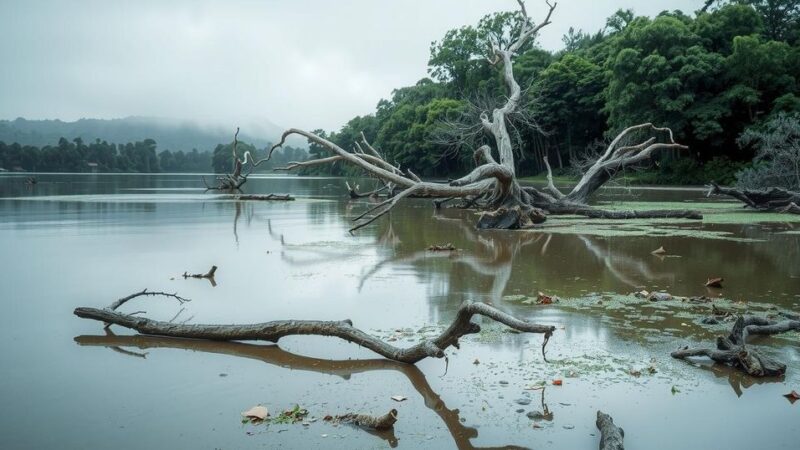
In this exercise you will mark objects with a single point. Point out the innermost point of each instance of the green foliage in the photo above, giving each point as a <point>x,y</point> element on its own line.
<point>689,171</point>
<point>777,160</point>
<point>732,67</point>
<point>222,158</point>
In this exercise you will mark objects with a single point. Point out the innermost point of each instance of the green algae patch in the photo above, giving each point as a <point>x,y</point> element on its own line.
<point>714,213</point>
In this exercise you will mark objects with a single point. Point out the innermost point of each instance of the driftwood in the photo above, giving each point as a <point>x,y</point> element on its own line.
<point>611,436</point>
<point>210,274</point>
<point>273,331</point>
<point>771,200</point>
<point>260,197</point>
<point>734,351</point>
<point>380,423</point>
<point>493,186</point>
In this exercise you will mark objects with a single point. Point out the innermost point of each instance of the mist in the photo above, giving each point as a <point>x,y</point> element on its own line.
<point>310,64</point>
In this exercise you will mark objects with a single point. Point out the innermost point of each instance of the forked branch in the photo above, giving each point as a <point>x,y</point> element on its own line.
<point>273,331</point>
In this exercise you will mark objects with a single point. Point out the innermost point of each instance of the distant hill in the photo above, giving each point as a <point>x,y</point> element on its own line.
<point>169,134</point>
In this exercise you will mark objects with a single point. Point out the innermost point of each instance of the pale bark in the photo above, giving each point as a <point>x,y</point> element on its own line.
<point>275,330</point>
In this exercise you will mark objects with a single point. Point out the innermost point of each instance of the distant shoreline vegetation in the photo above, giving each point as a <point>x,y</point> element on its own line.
<point>143,156</point>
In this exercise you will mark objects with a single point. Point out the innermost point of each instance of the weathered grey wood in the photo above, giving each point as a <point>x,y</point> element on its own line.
<point>734,351</point>
<point>772,200</point>
<point>261,197</point>
<point>611,436</point>
<point>273,331</point>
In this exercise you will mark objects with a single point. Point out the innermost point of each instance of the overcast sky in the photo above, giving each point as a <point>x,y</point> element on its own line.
<point>297,63</point>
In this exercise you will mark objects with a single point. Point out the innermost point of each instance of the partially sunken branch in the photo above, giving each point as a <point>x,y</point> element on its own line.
<point>770,200</point>
<point>733,350</point>
<point>273,331</point>
<point>611,436</point>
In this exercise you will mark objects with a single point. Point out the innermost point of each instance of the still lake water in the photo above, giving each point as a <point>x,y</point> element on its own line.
<point>86,240</point>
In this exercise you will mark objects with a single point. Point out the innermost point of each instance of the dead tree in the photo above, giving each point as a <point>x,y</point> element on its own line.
<point>234,180</point>
<point>238,177</point>
<point>733,350</point>
<point>344,329</point>
<point>493,186</point>
<point>771,200</point>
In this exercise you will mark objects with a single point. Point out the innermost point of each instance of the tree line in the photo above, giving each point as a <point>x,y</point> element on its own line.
<point>729,68</point>
<point>132,157</point>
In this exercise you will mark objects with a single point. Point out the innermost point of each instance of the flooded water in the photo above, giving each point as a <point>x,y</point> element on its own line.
<point>86,240</point>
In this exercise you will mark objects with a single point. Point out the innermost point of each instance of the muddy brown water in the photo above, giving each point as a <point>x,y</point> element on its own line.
<point>85,240</point>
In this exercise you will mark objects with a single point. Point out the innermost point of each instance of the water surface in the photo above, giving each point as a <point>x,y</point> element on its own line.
<point>86,240</point>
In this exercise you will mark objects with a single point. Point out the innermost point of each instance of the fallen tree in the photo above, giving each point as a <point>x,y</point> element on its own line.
<point>493,186</point>
<point>344,329</point>
<point>733,350</point>
<point>771,200</point>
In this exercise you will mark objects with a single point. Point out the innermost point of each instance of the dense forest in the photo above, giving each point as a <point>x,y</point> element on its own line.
<point>138,157</point>
<point>731,67</point>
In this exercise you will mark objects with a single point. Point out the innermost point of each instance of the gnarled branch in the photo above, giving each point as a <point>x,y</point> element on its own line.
<point>273,331</point>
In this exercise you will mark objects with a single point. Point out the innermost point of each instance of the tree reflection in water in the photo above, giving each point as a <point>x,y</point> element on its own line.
<point>274,355</point>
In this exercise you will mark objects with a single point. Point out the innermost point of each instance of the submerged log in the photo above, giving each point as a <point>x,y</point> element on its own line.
<point>734,351</point>
<point>381,423</point>
<point>273,331</point>
<point>611,436</point>
<point>210,274</point>
<point>771,200</point>
<point>262,197</point>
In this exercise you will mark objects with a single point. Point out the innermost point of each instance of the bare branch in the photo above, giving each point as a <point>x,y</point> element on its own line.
<point>275,330</point>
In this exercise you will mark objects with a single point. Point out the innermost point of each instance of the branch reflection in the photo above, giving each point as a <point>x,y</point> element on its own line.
<point>274,355</point>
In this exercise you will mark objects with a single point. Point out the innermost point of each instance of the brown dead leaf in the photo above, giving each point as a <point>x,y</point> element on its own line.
<point>715,282</point>
<point>792,396</point>
<point>544,299</point>
<point>256,412</point>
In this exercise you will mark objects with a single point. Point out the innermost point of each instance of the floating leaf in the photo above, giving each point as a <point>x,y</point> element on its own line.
<point>544,299</point>
<point>792,396</point>
<point>256,412</point>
